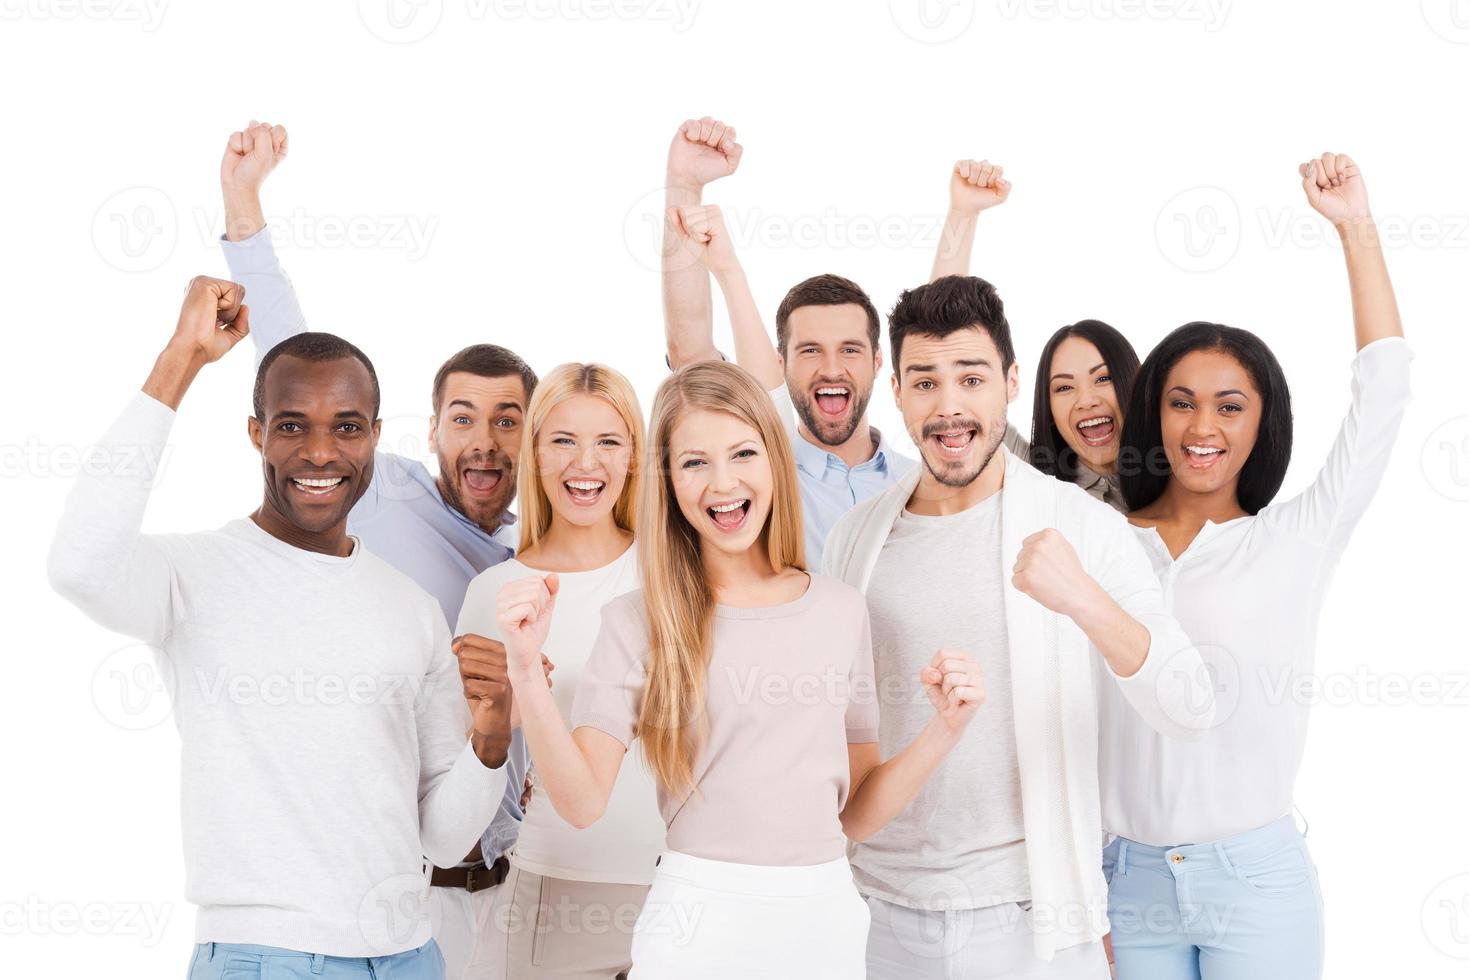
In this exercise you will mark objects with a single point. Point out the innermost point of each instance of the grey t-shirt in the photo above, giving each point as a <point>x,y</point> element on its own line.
<point>961,843</point>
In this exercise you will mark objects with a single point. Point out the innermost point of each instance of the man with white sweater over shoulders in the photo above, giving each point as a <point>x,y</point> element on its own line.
<point>994,870</point>
<point>320,707</point>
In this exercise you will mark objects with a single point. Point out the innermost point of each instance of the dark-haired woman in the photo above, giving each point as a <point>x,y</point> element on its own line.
<point>1208,876</point>
<point>1085,372</point>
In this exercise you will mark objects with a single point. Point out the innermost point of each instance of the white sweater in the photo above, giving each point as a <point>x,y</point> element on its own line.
<point>318,703</point>
<point>1056,677</point>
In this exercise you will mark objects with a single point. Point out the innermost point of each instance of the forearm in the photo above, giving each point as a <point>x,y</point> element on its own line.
<point>753,349</point>
<point>1374,306</point>
<point>1122,640</point>
<point>956,245</point>
<point>891,786</point>
<point>688,306</point>
<point>172,374</point>
<point>562,771</point>
<point>243,215</point>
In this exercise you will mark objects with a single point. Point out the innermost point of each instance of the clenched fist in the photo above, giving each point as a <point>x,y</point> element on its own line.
<point>250,156</point>
<point>1049,571</point>
<point>702,150</point>
<point>1334,186</point>
<point>704,235</point>
<point>482,671</point>
<point>213,318</point>
<point>975,185</point>
<point>523,609</point>
<point>954,684</point>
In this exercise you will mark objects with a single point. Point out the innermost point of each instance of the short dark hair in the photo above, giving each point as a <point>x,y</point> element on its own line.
<point>1142,479</point>
<point>945,306</point>
<point>1049,451</point>
<point>316,347</point>
<point>486,361</point>
<point>825,290</point>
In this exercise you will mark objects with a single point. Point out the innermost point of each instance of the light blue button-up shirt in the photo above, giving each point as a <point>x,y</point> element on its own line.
<point>402,517</point>
<point>829,487</point>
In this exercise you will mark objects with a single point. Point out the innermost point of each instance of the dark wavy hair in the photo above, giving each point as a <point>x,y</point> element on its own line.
<point>945,306</point>
<point>1049,451</point>
<point>1142,466</point>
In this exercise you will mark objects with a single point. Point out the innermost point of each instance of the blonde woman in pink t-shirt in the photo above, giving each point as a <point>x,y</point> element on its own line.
<point>748,682</point>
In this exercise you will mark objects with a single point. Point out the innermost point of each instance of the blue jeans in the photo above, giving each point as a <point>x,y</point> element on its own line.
<point>239,961</point>
<point>1244,908</point>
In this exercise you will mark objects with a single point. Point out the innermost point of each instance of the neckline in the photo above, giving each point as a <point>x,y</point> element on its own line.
<point>626,555</point>
<point>275,544</point>
<point>1207,533</point>
<point>788,608</point>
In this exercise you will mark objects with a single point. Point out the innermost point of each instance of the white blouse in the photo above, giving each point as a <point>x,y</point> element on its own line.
<point>1249,594</point>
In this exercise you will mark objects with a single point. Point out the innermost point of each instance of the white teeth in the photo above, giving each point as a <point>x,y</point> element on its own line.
<point>317,483</point>
<point>831,391</point>
<point>1091,422</point>
<point>584,485</point>
<point>1203,450</point>
<point>726,508</point>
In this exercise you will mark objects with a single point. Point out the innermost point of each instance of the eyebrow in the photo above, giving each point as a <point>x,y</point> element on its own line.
<point>1217,394</point>
<point>601,435</point>
<point>501,407</point>
<point>850,342</point>
<point>963,363</point>
<point>752,443</point>
<point>1072,377</point>
<point>348,413</point>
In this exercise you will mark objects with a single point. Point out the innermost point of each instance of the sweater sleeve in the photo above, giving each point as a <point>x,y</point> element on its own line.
<point>275,313</point>
<point>100,560</point>
<point>457,794</point>
<point>1171,691</point>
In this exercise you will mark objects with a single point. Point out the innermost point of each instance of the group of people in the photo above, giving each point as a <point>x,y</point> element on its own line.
<point>743,691</point>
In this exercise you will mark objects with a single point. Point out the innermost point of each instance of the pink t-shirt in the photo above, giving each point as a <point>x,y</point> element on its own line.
<point>788,687</point>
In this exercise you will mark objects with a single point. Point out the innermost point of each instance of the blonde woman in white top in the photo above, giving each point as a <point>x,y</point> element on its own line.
<point>570,898</point>
<point>1209,877</point>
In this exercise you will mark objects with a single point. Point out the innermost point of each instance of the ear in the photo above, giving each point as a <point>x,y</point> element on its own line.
<point>433,433</point>
<point>377,431</point>
<point>897,391</point>
<point>877,360</point>
<point>1012,382</point>
<point>257,434</point>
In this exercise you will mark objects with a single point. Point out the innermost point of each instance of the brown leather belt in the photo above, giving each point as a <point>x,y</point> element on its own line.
<point>473,878</point>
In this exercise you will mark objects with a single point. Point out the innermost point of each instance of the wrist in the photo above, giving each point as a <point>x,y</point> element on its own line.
<point>173,372</point>
<point>491,750</point>
<point>1357,230</point>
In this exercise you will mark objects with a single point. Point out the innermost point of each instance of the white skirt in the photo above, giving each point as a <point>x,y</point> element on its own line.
<point>713,919</point>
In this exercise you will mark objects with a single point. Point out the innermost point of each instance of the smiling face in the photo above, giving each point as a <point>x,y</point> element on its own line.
<point>953,394</point>
<point>476,436</point>
<point>583,452</point>
<point>721,479</point>
<point>1210,419</point>
<point>316,439</point>
<point>1084,403</point>
<point>830,368</point>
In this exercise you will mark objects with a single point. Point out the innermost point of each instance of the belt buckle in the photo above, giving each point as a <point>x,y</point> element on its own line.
<point>470,885</point>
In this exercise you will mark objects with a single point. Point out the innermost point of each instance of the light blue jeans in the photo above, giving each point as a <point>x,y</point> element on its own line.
<point>239,961</point>
<point>1244,908</point>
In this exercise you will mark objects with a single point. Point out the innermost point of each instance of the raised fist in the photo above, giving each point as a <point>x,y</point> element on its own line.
<point>251,155</point>
<point>954,684</point>
<point>213,318</point>
<point>1049,571</point>
<point>704,235</point>
<point>975,185</point>
<point>523,610</point>
<point>1334,187</point>
<point>483,672</point>
<point>702,150</point>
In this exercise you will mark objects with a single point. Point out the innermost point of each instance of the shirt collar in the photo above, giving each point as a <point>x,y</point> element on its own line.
<point>816,459</point>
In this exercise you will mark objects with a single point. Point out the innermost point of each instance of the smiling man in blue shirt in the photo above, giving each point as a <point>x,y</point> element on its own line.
<point>440,530</point>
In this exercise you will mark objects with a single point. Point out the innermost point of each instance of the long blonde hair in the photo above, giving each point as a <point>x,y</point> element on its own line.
<point>676,591</point>
<point>563,382</point>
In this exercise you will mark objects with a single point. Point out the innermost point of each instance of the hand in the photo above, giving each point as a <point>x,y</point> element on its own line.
<point>975,185</point>
<point>1334,186</point>
<point>483,672</point>
<point>250,156</point>
<point>702,150</point>
<point>525,794</point>
<point>704,236</point>
<point>523,610</point>
<point>954,684</point>
<point>1049,571</point>
<point>212,320</point>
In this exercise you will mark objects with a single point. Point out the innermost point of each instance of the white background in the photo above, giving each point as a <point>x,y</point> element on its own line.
<point>488,172</point>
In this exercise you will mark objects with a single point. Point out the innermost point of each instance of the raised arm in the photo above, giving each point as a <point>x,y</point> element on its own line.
<point>1329,509</point>
<point>249,157</point>
<point>100,560</point>
<point>704,235</point>
<point>576,769</point>
<point>702,150</point>
<point>974,186</point>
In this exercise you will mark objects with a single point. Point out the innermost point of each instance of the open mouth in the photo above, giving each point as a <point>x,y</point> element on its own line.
<point>1201,457</point>
<point>482,482</point>
<point>832,400</point>
<point>729,516</point>
<point>954,445</point>
<point>317,486</point>
<point>1098,430</point>
<point>584,493</point>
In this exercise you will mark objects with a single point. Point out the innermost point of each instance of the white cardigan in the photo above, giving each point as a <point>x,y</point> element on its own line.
<point>1055,678</point>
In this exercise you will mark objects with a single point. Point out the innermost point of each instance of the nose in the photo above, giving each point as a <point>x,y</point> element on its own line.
<point>831,365</point>
<point>1087,398</point>
<point>722,477</point>
<point>586,457</point>
<point>319,448</point>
